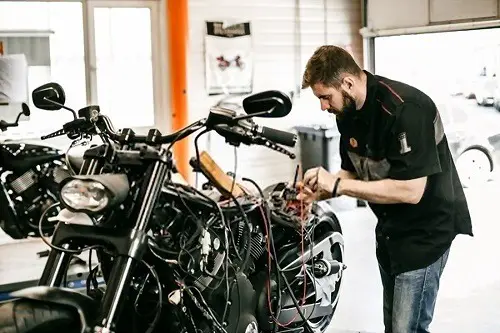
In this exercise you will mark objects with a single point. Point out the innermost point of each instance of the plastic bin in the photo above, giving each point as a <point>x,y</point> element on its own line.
<point>319,146</point>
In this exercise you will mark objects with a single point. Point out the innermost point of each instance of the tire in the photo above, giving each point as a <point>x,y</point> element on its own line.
<point>29,316</point>
<point>474,167</point>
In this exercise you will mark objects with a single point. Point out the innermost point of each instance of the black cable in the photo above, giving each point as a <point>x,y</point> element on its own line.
<point>160,297</point>
<point>90,272</point>
<point>198,123</point>
<point>216,206</point>
<point>208,308</point>
<point>281,272</point>
<point>254,183</point>
<point>249,228</point>
<point>296,303</point>
<point>233,183</point>
<point>197,153</point>
<point>54,247</point>
<point>276,265</point>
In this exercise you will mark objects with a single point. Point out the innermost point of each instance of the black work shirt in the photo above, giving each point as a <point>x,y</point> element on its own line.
<point>398,134</point>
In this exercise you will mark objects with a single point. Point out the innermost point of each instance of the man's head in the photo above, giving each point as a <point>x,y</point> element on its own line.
<point>336,79</point>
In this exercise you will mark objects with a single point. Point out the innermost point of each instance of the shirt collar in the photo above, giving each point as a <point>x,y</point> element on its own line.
<point>371,87</point>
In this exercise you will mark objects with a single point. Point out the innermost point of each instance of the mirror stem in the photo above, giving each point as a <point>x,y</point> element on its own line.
<point>62,106</point>
<point>18,117</point>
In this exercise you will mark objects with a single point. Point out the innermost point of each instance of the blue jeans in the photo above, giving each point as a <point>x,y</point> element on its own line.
<point>410,297</point>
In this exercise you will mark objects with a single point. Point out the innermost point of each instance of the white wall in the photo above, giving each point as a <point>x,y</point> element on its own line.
<point>280,56</point>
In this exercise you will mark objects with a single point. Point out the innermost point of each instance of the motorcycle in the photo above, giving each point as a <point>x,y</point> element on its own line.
<point>179,259</point>
<point>30,175</point>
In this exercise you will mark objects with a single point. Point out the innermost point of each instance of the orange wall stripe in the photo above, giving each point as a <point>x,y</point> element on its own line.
<point>178,32</point>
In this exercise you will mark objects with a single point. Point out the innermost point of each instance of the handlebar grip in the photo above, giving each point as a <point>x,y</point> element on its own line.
<point>279,137</point>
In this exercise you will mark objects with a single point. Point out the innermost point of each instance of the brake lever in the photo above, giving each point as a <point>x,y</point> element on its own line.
<point>271,145</point>
<point>53,134</point>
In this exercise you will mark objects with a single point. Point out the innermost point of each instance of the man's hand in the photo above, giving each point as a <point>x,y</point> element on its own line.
<point>316,185</point>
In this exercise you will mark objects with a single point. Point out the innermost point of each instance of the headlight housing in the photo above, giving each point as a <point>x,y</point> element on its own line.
<point>82,195</point>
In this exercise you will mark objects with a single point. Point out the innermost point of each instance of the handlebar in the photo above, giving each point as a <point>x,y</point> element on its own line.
<point>225,122</point>
<point>4,125</point>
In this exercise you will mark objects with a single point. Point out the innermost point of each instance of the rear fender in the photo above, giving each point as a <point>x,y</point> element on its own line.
<point>83,304</point>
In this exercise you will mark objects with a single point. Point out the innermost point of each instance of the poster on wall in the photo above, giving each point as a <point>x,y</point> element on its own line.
<point>13,79</point>
<point>228,58</point>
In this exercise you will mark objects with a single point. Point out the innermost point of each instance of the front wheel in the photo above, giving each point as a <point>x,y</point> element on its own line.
<point>23,316</point>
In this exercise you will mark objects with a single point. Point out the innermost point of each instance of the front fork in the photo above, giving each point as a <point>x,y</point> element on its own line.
<point>124,264</point>
<point>58,262</point>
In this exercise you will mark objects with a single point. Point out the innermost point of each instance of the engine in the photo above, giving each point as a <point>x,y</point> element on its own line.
<point>30,194</point>
<point>217,252</point>
<point>222,278</point>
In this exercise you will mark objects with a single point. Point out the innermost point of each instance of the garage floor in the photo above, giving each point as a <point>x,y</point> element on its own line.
<point>469,299</point>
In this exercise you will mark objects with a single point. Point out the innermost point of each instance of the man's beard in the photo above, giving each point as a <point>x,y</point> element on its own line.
<point>348,105</point>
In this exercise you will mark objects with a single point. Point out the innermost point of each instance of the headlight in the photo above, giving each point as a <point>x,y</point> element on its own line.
<point>84,195</point>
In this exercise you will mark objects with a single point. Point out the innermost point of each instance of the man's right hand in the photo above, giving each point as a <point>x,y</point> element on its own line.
<point>309,195</point>
<point>305,194</point>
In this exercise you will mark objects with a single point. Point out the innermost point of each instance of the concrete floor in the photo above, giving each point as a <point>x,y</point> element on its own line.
<point>469,297</point>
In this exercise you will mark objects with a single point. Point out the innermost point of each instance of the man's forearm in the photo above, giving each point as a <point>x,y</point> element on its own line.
<point>386,191</point>
<point>344,174</point>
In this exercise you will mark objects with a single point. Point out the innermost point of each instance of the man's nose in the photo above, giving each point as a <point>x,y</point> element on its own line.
<point>325,105</point>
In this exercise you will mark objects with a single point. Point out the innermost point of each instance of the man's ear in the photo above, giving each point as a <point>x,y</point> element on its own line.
<point>347,83</point>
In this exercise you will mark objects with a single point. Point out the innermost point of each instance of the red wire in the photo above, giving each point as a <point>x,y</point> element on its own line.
<point>302,218</point>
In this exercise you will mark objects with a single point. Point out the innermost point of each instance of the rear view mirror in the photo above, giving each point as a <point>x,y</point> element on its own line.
<point>26,109</point>
<point>268,104</point>
<point>50,97</point>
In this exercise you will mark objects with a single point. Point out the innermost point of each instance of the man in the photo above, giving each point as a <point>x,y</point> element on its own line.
<point>394,155</point>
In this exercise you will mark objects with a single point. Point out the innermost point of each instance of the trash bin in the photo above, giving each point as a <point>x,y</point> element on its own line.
<point>319,146</point>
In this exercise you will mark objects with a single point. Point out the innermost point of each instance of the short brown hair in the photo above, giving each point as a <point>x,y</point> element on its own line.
<point>327,66</point>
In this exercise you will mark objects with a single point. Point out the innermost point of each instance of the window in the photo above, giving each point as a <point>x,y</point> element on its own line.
<point>123,49</point>
<point>62,24</point>
<point>124,66</point>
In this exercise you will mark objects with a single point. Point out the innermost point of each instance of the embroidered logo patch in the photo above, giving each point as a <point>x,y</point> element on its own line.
<point>404,144</point>
<point>353,142</point>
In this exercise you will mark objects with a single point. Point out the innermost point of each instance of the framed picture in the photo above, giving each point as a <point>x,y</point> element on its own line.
<point>228,58</point>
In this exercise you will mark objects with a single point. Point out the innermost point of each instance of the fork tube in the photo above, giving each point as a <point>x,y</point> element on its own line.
<point>58,262</point>
<point>123,268</point>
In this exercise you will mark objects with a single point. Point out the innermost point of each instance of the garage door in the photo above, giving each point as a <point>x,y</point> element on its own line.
<point>395,17</point>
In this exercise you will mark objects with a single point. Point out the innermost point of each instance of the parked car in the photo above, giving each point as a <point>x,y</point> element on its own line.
<point>496,96</point>
<point>476,153</point>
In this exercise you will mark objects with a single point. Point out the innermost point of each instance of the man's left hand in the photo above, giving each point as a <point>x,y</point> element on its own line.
<point>319,181</point>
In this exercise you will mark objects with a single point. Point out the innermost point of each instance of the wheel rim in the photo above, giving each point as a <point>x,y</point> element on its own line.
<point>252,328</point>
<point>474,167</point>
<point>320,324</point>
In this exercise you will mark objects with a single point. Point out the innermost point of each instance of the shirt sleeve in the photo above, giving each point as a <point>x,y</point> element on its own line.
<point>412,151</point>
